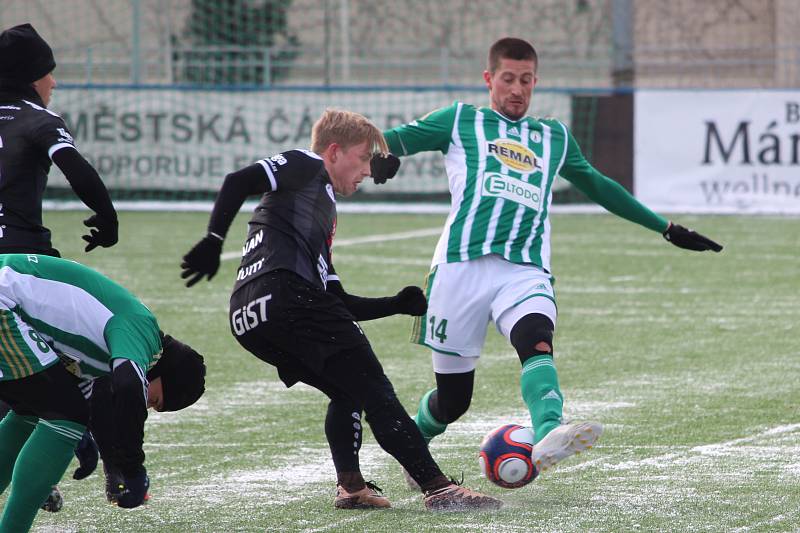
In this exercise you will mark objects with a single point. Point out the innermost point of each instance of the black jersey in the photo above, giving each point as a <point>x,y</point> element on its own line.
<point>29,135</point>
<point>293,226</point>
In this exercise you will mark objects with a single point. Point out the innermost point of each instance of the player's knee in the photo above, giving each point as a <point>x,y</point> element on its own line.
<point>380,397</point>
<point>532,335</point>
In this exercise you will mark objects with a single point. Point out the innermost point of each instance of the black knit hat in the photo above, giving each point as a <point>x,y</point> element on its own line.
<point>24,56</point>
<point>182,374</point>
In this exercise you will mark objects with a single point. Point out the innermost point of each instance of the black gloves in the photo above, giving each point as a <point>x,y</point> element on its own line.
<point>411,301</point>
<point>105,235</point>
<point>127,491</point>
<point>202,259</point>
<point>383,168</point>
<point>689,239</point>
<point>87,453</point>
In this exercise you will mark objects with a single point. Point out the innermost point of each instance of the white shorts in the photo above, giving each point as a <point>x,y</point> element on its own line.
<point>464,297</point>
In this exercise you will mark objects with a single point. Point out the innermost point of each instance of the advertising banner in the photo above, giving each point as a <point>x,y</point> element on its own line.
<point>190,139</point>
<point>718,151</point>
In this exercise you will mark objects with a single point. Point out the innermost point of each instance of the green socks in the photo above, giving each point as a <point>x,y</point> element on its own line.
<point>539,384</point>
<point>40,464</point>
<point>427,424</point>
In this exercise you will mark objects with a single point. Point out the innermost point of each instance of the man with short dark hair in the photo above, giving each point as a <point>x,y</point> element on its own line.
<point>289,307</point>
<point>501,165</point>
<point>61,326</point>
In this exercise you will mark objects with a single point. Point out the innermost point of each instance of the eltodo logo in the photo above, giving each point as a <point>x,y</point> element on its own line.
<point>512,189</point>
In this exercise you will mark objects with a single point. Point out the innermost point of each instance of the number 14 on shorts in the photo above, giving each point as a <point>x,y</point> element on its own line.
<point>438,329</point>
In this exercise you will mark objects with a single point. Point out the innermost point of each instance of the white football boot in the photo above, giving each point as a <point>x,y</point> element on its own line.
<point>565,441</point>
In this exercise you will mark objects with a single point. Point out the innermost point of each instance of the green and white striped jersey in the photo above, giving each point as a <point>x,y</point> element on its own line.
<point>501,174</point>
<point>78,311</point>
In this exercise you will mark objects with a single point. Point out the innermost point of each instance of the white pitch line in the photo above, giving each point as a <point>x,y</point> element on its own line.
<point>369,239</point>
<point>704,449</point>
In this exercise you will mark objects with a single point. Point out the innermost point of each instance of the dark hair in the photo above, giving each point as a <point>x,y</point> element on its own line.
<point>511,48</point>
<point>182,374</point>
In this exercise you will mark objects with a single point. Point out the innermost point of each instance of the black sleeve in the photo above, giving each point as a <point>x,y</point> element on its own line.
<point>85,181</point>
<point>363,308</point>
<point>102,423</point>
<point>235,190</point>
<point>130,411</point>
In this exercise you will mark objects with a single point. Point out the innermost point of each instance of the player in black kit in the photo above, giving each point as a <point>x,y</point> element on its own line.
<point>31,137</point>
<point>289,308</point>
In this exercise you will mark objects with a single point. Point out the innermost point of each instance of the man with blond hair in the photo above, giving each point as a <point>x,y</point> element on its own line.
<point>289,308</point>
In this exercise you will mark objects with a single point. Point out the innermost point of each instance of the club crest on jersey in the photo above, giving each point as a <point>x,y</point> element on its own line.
<point>513,155</point>
<point>512,189</point>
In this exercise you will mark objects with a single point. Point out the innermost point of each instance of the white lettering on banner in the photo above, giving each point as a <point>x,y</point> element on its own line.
<point>718,151</point>
<point>513,189</point>
<point>249,316</point>
<point>165,139</point>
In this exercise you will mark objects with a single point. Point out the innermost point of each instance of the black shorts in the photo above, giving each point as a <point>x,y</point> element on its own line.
<point>291,324</point>
<point>52,394</point>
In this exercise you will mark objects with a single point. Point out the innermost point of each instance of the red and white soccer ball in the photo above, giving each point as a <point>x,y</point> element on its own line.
<point>505,456</point>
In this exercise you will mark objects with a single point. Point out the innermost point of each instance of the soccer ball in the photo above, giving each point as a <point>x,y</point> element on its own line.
<point>505,456</point>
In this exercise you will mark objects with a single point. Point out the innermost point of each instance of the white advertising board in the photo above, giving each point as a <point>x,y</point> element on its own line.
<point>190,139</point>
<point>718,151</point>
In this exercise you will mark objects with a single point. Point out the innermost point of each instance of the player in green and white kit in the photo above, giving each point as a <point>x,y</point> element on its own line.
<point>62,325</point>
<point>492,262</point>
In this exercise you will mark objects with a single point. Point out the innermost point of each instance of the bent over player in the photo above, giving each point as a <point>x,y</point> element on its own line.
<point>289,308</point>
<point>501,165</point>
<point>61,325</point>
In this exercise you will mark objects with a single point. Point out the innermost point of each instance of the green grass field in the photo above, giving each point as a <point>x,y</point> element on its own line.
<point>690,360</point>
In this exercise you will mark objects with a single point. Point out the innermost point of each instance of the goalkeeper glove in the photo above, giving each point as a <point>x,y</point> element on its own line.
<point>105,234</point>
<point>383,168</point>
<point>202,259</point>
<point>127,491</point>
<point>87,453</point>
<point>689,239</point>
<point>411,301</point>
